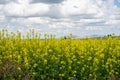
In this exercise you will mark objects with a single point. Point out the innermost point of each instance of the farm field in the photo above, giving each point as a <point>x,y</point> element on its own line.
<point>31,58</point>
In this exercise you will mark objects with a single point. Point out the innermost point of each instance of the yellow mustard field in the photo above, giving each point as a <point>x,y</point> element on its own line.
<point>31,58</point>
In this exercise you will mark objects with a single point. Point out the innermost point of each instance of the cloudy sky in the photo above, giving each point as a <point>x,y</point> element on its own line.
<point>61,17</point>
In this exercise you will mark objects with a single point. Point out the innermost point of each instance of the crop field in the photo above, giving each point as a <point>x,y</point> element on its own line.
<point>29,57</point>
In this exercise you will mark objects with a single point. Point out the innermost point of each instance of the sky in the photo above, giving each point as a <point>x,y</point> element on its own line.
<point>61,17</point>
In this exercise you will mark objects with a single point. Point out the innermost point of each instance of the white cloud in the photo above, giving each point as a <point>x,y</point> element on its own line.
<point>14,9</point>
<point>78,7</point>
<point>31,20</point>
<point>47,1</point>
<point>1,7</point>
<point>62,25</point>
<point>94,28</point>
<point>24,1</point>
<point>90,20</point>
<point>2,18</point>
<point>76,16</point>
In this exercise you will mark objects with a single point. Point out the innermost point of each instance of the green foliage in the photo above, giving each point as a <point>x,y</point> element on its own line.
<point>31,58</point>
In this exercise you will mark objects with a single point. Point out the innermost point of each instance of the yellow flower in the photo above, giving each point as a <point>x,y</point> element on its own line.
<point>61,75</point>
<point>19,68</point>
<point>35,65</point>
<point>102,55</point>
<point>90,75</point>
<point>45,61</point>
<point>62,62</point>
<point>89,58</point>
<point>96,60</point>
<point>69,67</point>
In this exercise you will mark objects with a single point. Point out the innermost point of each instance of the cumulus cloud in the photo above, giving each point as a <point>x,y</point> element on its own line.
<point>61,17</point>
<point>78,7</point>
<point>14,9</point>
<point>23,1</point>
<point>54,11</point>
<point>2,18</point>
<point>47,1</point>
<point>5,1</point>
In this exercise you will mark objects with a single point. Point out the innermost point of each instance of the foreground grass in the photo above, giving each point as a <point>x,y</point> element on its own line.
<point>30,58</point>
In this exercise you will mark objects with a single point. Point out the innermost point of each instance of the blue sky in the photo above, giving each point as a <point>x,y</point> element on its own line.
<point>117,3</point>
<point>61,17</point>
